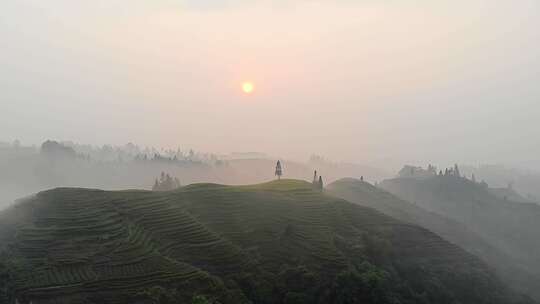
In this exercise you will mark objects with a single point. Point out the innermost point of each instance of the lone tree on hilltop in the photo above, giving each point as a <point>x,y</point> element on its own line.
<point>315,177</point>
<point>456,171</point>
<point>279,171</point>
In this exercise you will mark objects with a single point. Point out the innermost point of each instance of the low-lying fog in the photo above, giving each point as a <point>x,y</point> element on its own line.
<point>25,170</point>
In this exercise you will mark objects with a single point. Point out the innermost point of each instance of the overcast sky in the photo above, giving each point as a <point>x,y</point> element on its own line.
<point>407,81</point>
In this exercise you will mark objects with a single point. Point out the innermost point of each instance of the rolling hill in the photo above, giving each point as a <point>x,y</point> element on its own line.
<point>510,226</point>
<point>279,242</point>
<point>509,194</point>
<point>509,269</point>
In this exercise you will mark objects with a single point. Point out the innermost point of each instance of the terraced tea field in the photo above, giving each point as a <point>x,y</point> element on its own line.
<point>513,272</point>
<point>280,242</point>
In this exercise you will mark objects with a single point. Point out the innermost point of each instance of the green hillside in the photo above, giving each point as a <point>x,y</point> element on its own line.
<point>510,226</point>
<point>511,270</point>
<point>279,242</point>
<point>509,194</point>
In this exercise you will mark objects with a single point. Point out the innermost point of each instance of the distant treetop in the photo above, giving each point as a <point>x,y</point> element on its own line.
<point>54,149</point>
<point>166,183</point>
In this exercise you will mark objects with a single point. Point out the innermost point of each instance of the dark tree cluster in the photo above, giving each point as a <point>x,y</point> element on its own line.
<point>454,172</point>
<point>451,171</point>
<point>54,149</point>
<point>166,183</point>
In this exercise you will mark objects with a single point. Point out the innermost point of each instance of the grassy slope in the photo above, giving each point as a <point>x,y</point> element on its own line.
<point>356,191</point>
<point>279,242</point>
<point>512,227</point>
<point>510,195</point>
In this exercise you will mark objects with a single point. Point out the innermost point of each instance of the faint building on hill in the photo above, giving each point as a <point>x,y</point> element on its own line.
<point>417,172</point>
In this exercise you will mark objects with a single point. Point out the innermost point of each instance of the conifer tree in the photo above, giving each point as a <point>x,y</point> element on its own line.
<point>456,171</point>
<point>279,171</point>
<point>166,183</point>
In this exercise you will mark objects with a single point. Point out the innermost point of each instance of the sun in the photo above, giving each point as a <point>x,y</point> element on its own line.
<point>248,87</point>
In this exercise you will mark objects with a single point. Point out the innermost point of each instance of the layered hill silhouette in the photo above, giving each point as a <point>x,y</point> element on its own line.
<point>511,270</point>
<point>509,194</point>
<point>511,226</point>
<point>279,242</point>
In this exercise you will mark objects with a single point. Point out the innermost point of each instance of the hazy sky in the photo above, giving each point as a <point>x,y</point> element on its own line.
<point>438,81</point>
